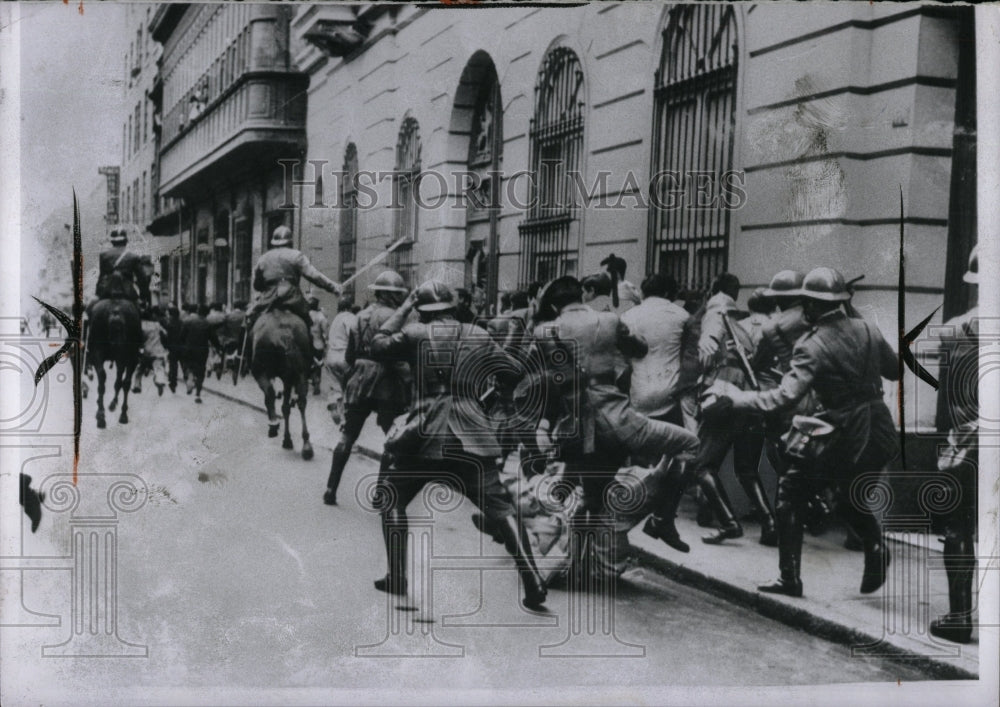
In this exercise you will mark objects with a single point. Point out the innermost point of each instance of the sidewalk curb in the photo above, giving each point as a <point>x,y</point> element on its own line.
<point>800,618</point>
<point>772,608</point>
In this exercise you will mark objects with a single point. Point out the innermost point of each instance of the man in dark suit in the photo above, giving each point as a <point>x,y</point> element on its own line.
<point>197,334</point>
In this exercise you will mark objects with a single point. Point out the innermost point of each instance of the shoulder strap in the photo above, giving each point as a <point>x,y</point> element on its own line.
<point>119,260</point>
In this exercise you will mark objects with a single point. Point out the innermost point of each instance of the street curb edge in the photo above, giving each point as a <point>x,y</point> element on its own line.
<point>796,617</point>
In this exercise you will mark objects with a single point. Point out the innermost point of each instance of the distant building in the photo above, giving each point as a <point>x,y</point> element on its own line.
<point>232,105</point>
<point>135,204</point>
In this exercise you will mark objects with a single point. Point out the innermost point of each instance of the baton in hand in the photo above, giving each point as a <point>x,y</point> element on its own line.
<point>741,353</point>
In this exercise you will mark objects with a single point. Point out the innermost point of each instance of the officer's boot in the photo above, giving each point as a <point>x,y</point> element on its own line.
<point>394,533</point>
<point>789,523</point>
<point>876,552</point>
<point>717,499</point>
<point>758,498</point>
<point>516,540</point>
<point>959,563</point>
<point>341,454</point>
<point>661,524</point>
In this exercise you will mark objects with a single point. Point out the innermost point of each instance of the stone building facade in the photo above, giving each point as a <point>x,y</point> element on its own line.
<point>782,135</point>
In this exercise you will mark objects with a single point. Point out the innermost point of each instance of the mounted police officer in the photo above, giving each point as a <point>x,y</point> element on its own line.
<point>958,414</point>
<point>843,359</point>
<point>277,278</point>
<point>372,386</point>
<point>446,436</point>
<point>122,274</point>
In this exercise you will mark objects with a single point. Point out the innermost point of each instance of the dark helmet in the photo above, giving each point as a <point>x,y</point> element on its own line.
<point>282,236</point>
<point>825,284</point>
<point>785,283</point>
<point>972,274</point>
<point>389,281</point>
<point>434,296</point>
<point>119,236</point>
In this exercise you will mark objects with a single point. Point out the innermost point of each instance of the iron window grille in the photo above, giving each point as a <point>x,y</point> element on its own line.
<point>406,180</point>
<point>550,235</point>
<point>694,120</point>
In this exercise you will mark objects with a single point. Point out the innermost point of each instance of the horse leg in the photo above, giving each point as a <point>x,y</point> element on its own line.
<point>127,373</point>
<point>307,450</point>
<point>272,419</point>
<point>102,376</point>
<point>286,410</point>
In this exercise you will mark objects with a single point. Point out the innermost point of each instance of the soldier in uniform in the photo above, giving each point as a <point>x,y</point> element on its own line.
<point>843,359</point>
<point>446,436</point>
<point>372,386</point>
<point>771,359</point>
<point>585,354</point>
<point>958,414</point>
<point>121,272</point>
<point>277,278</point>
<point>718,362</point>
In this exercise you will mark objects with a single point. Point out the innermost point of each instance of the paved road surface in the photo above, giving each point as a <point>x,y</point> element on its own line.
<point>235,574</point>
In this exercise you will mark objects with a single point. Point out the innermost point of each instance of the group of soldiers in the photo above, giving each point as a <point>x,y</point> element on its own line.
<point>597,376</point>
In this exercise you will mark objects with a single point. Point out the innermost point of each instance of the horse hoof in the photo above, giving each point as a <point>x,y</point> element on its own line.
<point>112,406</point>
<point>272,430</point>
<point>307,453</point>
<point>287,444</point>
<point>101,424</point>
<point>123,419</point>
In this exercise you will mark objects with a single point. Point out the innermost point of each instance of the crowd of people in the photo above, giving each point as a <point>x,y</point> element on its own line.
<point>632,396</point>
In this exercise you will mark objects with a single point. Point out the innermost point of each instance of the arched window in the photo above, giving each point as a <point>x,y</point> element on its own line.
<point>694,113</point>
<point>406,180</point>
<point>550,236</point>
<point>349,216</point>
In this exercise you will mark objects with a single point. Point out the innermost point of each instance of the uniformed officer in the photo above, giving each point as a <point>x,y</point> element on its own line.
<point>593,422</point>
<point>372,386</point>
<point>771,359</point>
<point>718,362</point>
<point>446,436</point>
<point>959,415</point>
<point>122,271</point>
<point>843,360</point>
<point>277,278</point>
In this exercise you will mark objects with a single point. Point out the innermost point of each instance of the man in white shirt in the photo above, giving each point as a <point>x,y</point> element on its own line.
<point>660,323</point>
<point>340,331</point>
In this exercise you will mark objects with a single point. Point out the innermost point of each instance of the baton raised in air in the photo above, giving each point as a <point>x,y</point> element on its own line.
<point>374,261</point>
<point>741,353</point>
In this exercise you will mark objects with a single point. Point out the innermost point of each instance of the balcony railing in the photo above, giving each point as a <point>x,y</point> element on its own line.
<point>259,113</point>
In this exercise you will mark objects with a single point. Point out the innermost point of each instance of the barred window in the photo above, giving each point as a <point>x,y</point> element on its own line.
<point>694,117</point>
<point>405,183</point>
<point>550,235</point>
<point>349,216</point>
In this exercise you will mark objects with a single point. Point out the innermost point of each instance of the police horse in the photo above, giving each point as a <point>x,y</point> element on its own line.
<point>115,335</point>
<point>282,349</point>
